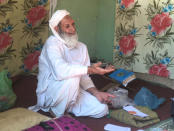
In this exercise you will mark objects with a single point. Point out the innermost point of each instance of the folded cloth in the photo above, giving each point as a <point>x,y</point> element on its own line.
<point>146,98</point>
<point>133,120</point>
<point>63,123</point>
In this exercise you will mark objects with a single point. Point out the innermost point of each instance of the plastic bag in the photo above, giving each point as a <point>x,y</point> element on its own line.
<point>7,96</point>
<point>121,98</point>
<point>146,98</point>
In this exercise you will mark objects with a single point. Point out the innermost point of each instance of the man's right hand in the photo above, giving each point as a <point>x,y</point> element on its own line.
<point>96,69</point>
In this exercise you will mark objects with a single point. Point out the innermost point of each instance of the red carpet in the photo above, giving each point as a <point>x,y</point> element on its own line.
<point>24,87</point>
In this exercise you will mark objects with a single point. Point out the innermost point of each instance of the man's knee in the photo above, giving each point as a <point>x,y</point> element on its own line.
<point>102,111</point>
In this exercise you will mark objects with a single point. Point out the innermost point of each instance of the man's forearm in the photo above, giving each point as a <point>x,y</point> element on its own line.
<point>90,70</point>
<point>93,91</point>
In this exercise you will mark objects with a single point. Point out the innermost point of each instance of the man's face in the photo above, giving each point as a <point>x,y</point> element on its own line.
<point>67,31</point>
<point>67,26</point>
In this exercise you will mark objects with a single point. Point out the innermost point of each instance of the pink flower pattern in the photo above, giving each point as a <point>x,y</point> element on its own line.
<point>3,1</point>
<point>36,14</point>
<point>127,44</point>
<point>5,40</point>
<point>31,60</point>
<point>160,70</point>
<point>160,22</point>
<point>127,3</point>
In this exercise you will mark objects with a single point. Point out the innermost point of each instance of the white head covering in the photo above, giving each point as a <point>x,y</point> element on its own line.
<point>53,5</point>
<point>55,20</point>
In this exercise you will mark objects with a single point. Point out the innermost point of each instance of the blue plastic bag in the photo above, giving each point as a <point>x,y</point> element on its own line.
<point>146,98</point>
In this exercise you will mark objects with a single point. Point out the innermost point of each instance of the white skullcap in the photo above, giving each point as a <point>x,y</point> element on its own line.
<point>57,17</point>
<point>55,20</point>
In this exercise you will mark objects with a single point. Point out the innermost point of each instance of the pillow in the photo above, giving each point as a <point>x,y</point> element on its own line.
<point>63,123</point>
<point>136,121</point>
<point>18,119</point>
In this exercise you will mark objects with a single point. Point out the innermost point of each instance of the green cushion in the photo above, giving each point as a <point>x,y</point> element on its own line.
<point>136,121</point>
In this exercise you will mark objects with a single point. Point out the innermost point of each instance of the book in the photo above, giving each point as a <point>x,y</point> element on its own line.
<point>122,76</point>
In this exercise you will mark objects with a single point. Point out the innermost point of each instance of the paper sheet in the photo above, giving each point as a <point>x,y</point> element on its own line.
<point>136,111</point>
<point>111,127</point>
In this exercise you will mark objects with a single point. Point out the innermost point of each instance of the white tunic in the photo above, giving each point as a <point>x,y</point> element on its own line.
<point>63,79</point>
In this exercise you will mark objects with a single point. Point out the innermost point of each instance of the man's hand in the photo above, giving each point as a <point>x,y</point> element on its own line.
<point>96,69</point>
<point>103,97</point>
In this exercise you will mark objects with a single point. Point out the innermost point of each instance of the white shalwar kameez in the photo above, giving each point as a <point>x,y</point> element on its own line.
<point>63,81</point>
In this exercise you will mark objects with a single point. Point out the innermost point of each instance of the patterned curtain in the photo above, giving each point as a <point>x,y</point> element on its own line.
<point>23,31</point>
<point>144,36</point>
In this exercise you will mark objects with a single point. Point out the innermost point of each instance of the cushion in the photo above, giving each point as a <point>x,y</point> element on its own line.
<point>18,119</point>
<point>136,121</point>
<point>63,123</point>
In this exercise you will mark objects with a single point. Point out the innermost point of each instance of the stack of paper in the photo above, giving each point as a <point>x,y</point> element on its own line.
<point>137,112</point>
<point>111,127</point>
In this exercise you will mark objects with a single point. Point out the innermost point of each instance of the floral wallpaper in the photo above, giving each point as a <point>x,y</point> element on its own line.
<point>23,31</point>
<point>144,36</point>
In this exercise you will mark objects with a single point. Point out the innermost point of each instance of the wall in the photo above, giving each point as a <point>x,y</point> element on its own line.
<point>22,34</point>
<point>95,22</point>
<point>105,30</point>
<point>144,39</point>
<point>98,16</point>
<point>85,13</point>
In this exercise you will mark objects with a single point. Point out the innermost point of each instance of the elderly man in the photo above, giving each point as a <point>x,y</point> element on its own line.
<point>64,67</point>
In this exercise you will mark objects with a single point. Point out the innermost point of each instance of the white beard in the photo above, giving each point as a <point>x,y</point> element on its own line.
<point>71,41</point>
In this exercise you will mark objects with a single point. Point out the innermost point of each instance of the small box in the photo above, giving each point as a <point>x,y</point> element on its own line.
<point>123,76</point>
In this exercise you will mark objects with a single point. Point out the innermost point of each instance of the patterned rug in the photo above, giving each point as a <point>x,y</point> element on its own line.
<point>166,125</point>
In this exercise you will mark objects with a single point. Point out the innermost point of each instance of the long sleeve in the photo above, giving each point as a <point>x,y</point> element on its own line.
<point>59,65</point>
<point>85,81</point>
